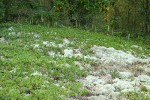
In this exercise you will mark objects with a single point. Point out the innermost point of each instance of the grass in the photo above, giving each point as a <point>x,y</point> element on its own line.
<point>28,72</point>
<point>114,74</point>
<point>135,95</point>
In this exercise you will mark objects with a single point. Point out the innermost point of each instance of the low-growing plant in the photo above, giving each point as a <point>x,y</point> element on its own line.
<point>135,95</point>
<point>30,73</point>
<point>143,88</point>
<point>114,74</point>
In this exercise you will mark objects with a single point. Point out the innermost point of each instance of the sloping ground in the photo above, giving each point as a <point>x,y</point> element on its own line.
<point>41,63</point>
<point>117,72</point>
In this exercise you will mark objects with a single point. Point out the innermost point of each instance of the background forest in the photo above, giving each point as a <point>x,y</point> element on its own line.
<point>128,18</point>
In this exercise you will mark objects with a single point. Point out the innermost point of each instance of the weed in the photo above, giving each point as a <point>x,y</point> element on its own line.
<point>114,74</point>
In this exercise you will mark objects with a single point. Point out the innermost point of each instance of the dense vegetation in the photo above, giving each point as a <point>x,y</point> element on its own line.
<point>28,71</point>
<point>122,17</point>
<point>32,43</point>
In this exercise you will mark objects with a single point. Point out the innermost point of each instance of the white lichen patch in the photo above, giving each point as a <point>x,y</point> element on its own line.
<point>66,41</point>
<point>137,47</point>
<point>110,56</point>
<point>68,53</point>
<point>51,53</point>
<point>13,71</point>
<point>2,39</point>
<point>11,28</point>
<point>36,46</point>
<point>125,75</point>
<point>36,73</point>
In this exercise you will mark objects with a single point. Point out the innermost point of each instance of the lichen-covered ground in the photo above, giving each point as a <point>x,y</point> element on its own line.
<point>115,74</point>
<point>63,63</point>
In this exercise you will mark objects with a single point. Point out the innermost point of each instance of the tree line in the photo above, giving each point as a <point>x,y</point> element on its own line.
<point>126,17</point>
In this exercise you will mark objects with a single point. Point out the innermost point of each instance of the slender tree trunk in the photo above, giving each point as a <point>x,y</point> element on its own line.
<point>76,21</point>
<point>146,22</point>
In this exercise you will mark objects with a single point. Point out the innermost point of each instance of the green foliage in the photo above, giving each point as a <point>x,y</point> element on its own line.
<point>136,95</point>
<point>30,73</point>
<point>114,74</point>
<point>2,10</point>
<point>108,16</point>
<point>143,88</point>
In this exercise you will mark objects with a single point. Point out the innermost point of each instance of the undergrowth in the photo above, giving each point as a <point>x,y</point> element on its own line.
<point>28,72</point>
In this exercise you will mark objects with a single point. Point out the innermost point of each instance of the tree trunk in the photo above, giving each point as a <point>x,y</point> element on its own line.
<point>146,22</point>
